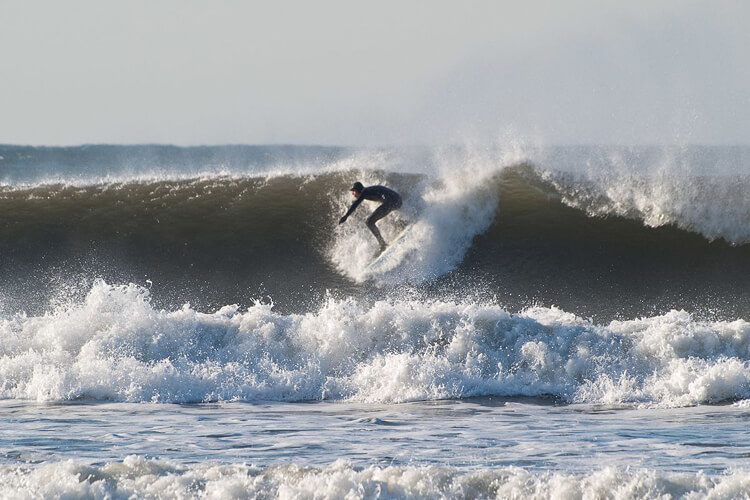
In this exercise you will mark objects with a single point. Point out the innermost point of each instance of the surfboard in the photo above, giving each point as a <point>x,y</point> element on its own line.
<point>394,244</point>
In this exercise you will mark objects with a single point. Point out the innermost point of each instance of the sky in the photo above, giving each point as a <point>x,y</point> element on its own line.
<point>390,72</point>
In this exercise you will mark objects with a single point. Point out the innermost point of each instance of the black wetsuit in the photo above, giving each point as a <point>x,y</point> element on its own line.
<point>389,199</point>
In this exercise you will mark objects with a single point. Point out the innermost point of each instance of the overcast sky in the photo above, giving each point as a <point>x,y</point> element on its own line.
<point>368,73</point>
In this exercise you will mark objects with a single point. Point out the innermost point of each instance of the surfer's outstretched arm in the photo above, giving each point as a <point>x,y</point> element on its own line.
<point>351,209</point>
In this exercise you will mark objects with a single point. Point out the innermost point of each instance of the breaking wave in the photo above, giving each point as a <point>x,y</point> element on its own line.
<point>116,346</point>
<point>501,224</point>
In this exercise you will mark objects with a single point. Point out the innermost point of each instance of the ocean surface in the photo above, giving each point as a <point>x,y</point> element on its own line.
<point>559,322</point>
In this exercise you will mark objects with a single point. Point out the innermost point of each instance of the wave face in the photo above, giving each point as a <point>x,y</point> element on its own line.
<point>143,478</point>
<point>117,346</point>
<point>603,242</point>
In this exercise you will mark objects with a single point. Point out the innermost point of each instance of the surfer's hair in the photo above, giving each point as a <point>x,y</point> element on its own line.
<point>358,187</point>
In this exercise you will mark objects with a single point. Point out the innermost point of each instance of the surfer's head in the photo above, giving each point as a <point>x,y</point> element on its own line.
<point>356,189</point>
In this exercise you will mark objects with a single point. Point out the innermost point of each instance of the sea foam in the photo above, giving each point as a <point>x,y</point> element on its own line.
<point>445,211</point>
<point>115,345</point>
<point>137,477</point>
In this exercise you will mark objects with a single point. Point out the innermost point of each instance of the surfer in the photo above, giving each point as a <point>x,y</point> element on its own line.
<point>389,201</point>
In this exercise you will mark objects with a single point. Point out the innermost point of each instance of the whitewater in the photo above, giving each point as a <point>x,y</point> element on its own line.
<point>192,323</point>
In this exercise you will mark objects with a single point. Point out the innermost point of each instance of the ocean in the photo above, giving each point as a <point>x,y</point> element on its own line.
<point>193,322</point>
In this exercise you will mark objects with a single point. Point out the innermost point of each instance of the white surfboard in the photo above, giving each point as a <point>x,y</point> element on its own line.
<point>394,244</point>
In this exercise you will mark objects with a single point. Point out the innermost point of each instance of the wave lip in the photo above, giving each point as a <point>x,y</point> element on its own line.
<point>698,189</point>
<point>116,346</point>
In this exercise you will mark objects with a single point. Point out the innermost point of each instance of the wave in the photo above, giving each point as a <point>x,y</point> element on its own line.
<point>699,189</point>
<point>27,167</point>
<point>117,346</point>
<point>714,207</point>
<point>140,477</point>
<point>506,227</point>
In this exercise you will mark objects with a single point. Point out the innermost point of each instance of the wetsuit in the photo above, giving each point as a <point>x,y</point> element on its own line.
<point>389,201</point>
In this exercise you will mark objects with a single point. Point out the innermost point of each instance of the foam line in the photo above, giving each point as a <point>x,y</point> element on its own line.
<point>137,477</point>
<point>116,346</point>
